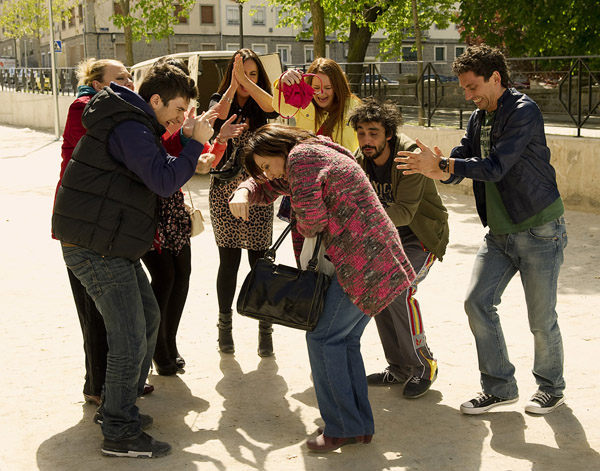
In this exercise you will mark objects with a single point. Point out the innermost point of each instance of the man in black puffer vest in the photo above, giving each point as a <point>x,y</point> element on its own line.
<point>105,216</point>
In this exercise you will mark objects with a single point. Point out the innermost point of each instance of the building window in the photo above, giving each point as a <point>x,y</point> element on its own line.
<point>260,17</point>
<point>285,52</point>
<point>458,50</point>
<point>177,14</point>
<point>80,8</point>
<point>181,47</point>
<point>207,14</point>
<point>409,54</point>
<point>117,8</point>
<point>208,47</point>
<point>232,46</point>
<point>440,53</point>
<point>260,48</point>
<point>309,54</point>
<point>72,17</point>
<point>233,16</point>
<point>64,25</point>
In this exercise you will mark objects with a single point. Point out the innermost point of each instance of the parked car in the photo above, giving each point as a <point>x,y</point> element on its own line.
<point>207,68</point>
<point>440,78</point>
<point>376,79</point>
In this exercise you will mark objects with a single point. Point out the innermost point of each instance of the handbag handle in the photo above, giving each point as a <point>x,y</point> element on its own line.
<point>279,86</point>
<point>313,262</point>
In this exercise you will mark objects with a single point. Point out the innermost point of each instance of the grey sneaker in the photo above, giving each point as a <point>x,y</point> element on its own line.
<point>483,403</point>
<point>386,378</point>
<point>543,403</point>
<point>143,446</point>
<point>147,420</point>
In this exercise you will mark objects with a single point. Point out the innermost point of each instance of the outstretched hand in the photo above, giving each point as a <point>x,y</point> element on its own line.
<point>188,123</point>
<point>203,129</point>
<point>291,77</point>
<point>229,129</point>
<point>239,204</point>
<point>424,161</point>
<point>205,163</point>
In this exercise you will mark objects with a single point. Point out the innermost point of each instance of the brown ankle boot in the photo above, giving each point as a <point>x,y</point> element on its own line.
<point>265,340</point>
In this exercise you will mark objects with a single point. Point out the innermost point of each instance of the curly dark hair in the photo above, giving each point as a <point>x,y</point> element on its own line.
<point>483,61</point>
<point>371,111</point>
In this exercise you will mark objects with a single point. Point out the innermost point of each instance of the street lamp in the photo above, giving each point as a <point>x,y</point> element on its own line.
<point>241,6</point>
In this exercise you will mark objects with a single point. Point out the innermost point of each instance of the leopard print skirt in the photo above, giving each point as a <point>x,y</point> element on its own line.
<point>232,232</point>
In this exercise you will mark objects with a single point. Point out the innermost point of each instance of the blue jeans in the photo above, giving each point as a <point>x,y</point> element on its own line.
<point>537,254</point>
<point>337,366</point>
<point>123,295</point>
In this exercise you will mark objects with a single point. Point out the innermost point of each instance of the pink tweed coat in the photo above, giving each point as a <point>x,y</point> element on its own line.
<point>330,193</point>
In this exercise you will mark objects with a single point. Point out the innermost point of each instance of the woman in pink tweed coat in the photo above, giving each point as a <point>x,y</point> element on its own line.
<point>330,193</point>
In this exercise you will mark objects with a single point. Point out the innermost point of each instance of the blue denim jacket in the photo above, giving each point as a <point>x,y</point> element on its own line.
<point>519,161</point>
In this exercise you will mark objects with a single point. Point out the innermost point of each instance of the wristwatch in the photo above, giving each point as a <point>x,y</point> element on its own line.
<point>444,164</point>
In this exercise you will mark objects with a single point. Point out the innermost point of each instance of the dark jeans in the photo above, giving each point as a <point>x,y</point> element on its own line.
<point>123,295</point>
<point>94,337</point>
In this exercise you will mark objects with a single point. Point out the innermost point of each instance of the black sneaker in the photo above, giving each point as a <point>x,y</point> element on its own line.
<point>143,446</point>
<point>543,403</point>
<point>417,387</point>
<point>147,420</point>
<point>483,403</point>
<point>383,379</point>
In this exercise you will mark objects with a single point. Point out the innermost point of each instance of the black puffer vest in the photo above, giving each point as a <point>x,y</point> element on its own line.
<point>101,205</point>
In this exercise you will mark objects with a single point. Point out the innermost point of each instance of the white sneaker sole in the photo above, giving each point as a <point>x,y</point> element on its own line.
<point>483,410</point>
<point>534,407</point>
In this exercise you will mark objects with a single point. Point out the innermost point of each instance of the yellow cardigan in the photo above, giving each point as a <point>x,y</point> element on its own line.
<point>344,135</point>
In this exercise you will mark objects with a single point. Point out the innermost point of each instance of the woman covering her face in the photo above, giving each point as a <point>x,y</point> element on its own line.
<point>331,194</point>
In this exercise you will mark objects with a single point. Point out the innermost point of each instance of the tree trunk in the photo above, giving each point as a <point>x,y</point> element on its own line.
<point>415,15</point>
<point>128,45</point>
<point>358,43</point>
<point>318,22</point>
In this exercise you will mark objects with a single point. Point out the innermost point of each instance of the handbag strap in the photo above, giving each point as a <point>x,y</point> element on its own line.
<point>312,263</point>
<point>187,188</point>
<point>280,92</point>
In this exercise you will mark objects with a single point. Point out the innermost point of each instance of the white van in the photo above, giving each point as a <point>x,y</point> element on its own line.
<point>207,68</point>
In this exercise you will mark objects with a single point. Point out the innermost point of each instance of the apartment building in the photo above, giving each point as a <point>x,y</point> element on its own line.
<point>212,25</point>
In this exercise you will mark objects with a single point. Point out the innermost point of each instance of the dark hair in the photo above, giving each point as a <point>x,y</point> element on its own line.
<point>483,61</point>
<point>251,109</point>
<point>371,111</point>
<point>169,82</point>
<point>341,89</point>
<point>272,140</point>
<point>174,62</point>
<point>263,78</point>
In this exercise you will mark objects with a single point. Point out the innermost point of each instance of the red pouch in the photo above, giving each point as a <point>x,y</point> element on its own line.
<point>298,95</point>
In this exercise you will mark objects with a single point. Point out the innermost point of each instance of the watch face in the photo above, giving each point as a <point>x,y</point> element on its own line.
<point>443,163</point>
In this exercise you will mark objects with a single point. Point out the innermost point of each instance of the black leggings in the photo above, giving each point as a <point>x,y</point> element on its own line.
<point>229,264</point>
<point>170,282</point>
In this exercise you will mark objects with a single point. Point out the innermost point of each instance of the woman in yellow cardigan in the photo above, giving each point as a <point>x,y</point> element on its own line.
<point>327,113</point>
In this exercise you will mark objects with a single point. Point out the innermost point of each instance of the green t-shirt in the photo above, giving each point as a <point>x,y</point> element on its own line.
<point>498,219</point>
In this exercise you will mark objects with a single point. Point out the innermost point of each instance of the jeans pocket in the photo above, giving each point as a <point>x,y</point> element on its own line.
<point>549,231</point>
<point>84,271</point>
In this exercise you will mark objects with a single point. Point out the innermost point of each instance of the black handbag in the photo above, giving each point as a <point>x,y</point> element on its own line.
<point>284,295</point>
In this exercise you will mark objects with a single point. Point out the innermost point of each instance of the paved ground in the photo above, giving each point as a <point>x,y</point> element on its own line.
<point>243,413</point>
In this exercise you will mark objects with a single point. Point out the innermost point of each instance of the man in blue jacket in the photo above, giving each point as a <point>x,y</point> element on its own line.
<point>105,216</point>
<point>504,152</point>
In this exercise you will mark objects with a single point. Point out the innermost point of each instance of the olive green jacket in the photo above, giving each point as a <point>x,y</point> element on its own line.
<point>417,203</point>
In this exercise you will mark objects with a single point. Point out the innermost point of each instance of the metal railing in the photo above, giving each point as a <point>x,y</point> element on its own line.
<point>567,89</point>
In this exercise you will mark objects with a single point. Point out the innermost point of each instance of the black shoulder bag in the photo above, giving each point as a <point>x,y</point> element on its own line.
<point>284,295</point>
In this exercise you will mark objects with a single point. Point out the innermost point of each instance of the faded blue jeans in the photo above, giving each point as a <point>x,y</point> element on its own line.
<point>537,254</point>
<point>123,295</point>
<point>337,366</point>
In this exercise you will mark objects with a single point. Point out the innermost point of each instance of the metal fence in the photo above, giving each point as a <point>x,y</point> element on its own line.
<point>567,89</point>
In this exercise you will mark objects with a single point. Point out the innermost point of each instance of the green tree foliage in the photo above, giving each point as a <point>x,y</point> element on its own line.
<point>29,19</point>
<point>533,28</point>
<point>149,20</point>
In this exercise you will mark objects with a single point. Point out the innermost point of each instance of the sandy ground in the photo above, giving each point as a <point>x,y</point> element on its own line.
<point>240,412</point>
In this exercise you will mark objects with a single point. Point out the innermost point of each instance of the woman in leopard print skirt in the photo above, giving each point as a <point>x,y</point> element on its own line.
<point>246,92</point>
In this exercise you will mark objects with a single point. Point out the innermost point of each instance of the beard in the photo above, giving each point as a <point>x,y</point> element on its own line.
<point>377,151</point>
